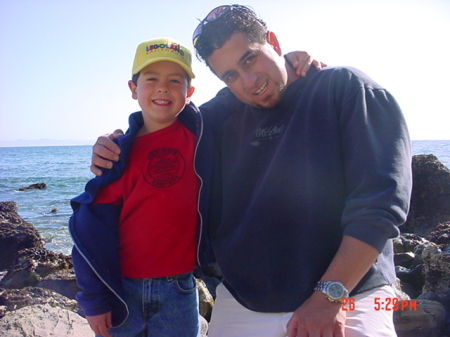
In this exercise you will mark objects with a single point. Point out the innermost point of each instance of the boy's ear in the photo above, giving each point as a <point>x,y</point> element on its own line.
<point>189,93</point>
<point>273,41</point>
<point>132,87</point>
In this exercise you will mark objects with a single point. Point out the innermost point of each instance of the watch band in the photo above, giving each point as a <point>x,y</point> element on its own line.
<point>333,290</point>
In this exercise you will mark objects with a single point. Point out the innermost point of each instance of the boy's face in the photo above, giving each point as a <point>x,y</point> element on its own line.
<point>162,92</point>
<point>254,72</point>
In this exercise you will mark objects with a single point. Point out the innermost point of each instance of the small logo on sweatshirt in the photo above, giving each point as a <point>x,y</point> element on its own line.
<point>267,133</point>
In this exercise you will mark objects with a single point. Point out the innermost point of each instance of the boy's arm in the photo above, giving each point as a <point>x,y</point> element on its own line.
<point>302,61</point>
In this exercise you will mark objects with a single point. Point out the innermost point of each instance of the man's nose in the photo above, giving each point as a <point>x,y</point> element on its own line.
<point>248,79</point>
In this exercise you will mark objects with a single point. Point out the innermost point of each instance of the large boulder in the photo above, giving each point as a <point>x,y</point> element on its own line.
<point>44,320</point>
<point>33,265</point>
<point>14,299</point>
<point>420,318</point>
<point>436,264</point>
<point>15,234</point>
<point>430,199</point>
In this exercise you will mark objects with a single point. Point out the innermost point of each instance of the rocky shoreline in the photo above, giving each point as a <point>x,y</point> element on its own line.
<point>37,288</point>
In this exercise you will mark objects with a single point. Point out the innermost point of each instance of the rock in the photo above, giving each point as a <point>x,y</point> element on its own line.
<point>430,199</point>
<point>404,259</point>
<point>406,242</point>
<point>206,301</point>
<point>430,296</point>
<point>44,321</point>
<point>420,318</point>
<point>63,282</point>
<point>398,290</point>
<point>39,186</point>
<point>204,327</point>
<point>15,234</point>
<point>412,280</point>
<point>14,299</point>
<point>436,264</point>
<point>441,234</point>
<point>32,265</point>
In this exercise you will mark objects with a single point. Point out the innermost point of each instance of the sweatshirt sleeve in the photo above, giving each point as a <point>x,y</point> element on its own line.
<point>377,157</point>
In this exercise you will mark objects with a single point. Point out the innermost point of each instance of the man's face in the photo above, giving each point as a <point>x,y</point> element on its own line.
<point>254,72</point>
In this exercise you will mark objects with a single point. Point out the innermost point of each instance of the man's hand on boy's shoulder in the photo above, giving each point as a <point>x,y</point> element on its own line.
<point>105,152</point>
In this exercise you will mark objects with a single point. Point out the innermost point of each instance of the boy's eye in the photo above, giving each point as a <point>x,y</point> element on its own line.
<point>175,81</point>
<point>151,79</point>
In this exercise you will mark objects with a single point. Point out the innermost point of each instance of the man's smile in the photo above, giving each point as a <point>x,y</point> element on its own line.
<point>262,88</point>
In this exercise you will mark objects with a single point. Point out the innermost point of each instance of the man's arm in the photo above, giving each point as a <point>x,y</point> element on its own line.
<point>376,149</point>
<point>320,317</point>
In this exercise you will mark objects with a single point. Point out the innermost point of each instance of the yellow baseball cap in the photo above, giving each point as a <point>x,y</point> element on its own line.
<point>162,49</point>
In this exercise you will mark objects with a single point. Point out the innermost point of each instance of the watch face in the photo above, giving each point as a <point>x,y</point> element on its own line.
<point>335,290</point>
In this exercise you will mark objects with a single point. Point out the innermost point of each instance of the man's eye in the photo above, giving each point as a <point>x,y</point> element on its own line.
<point>230,77</point>
<point>250,59</point>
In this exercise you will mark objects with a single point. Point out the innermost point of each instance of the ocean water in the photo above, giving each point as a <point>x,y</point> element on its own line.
<point>65,170</point>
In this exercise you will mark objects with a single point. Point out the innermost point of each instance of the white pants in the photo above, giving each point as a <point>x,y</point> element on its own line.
<point>231,319</point>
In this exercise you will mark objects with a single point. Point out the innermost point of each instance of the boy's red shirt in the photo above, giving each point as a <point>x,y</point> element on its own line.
<point>158,192</point>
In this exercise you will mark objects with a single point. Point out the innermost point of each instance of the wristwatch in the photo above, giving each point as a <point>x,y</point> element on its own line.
<point>334,291</point>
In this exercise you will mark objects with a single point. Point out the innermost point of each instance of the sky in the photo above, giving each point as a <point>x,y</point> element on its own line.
<point>65,64</point>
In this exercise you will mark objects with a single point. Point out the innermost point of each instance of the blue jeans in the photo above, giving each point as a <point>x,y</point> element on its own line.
<point>165,306</point>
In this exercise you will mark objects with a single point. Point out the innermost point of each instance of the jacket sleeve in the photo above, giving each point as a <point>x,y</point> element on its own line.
<point>94,296</point>
<point>94,230</point>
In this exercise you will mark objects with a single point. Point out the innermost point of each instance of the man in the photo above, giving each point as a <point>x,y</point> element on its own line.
<point>310,179</point>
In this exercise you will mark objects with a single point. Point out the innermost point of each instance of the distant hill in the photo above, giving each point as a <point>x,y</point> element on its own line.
<point>45,142</point>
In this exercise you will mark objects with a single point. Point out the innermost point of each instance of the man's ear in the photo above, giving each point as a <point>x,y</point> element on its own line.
<point>189,93</point>
<point>273,41</point>
<point>132,87</point>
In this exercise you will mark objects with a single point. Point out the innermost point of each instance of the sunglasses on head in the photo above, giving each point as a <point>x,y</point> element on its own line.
<point>214,15</point>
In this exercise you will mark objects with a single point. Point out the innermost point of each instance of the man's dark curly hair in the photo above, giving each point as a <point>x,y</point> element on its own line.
<point>214,34</point>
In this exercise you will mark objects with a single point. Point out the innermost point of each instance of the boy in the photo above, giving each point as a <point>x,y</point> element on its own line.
<point>135,230</point>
